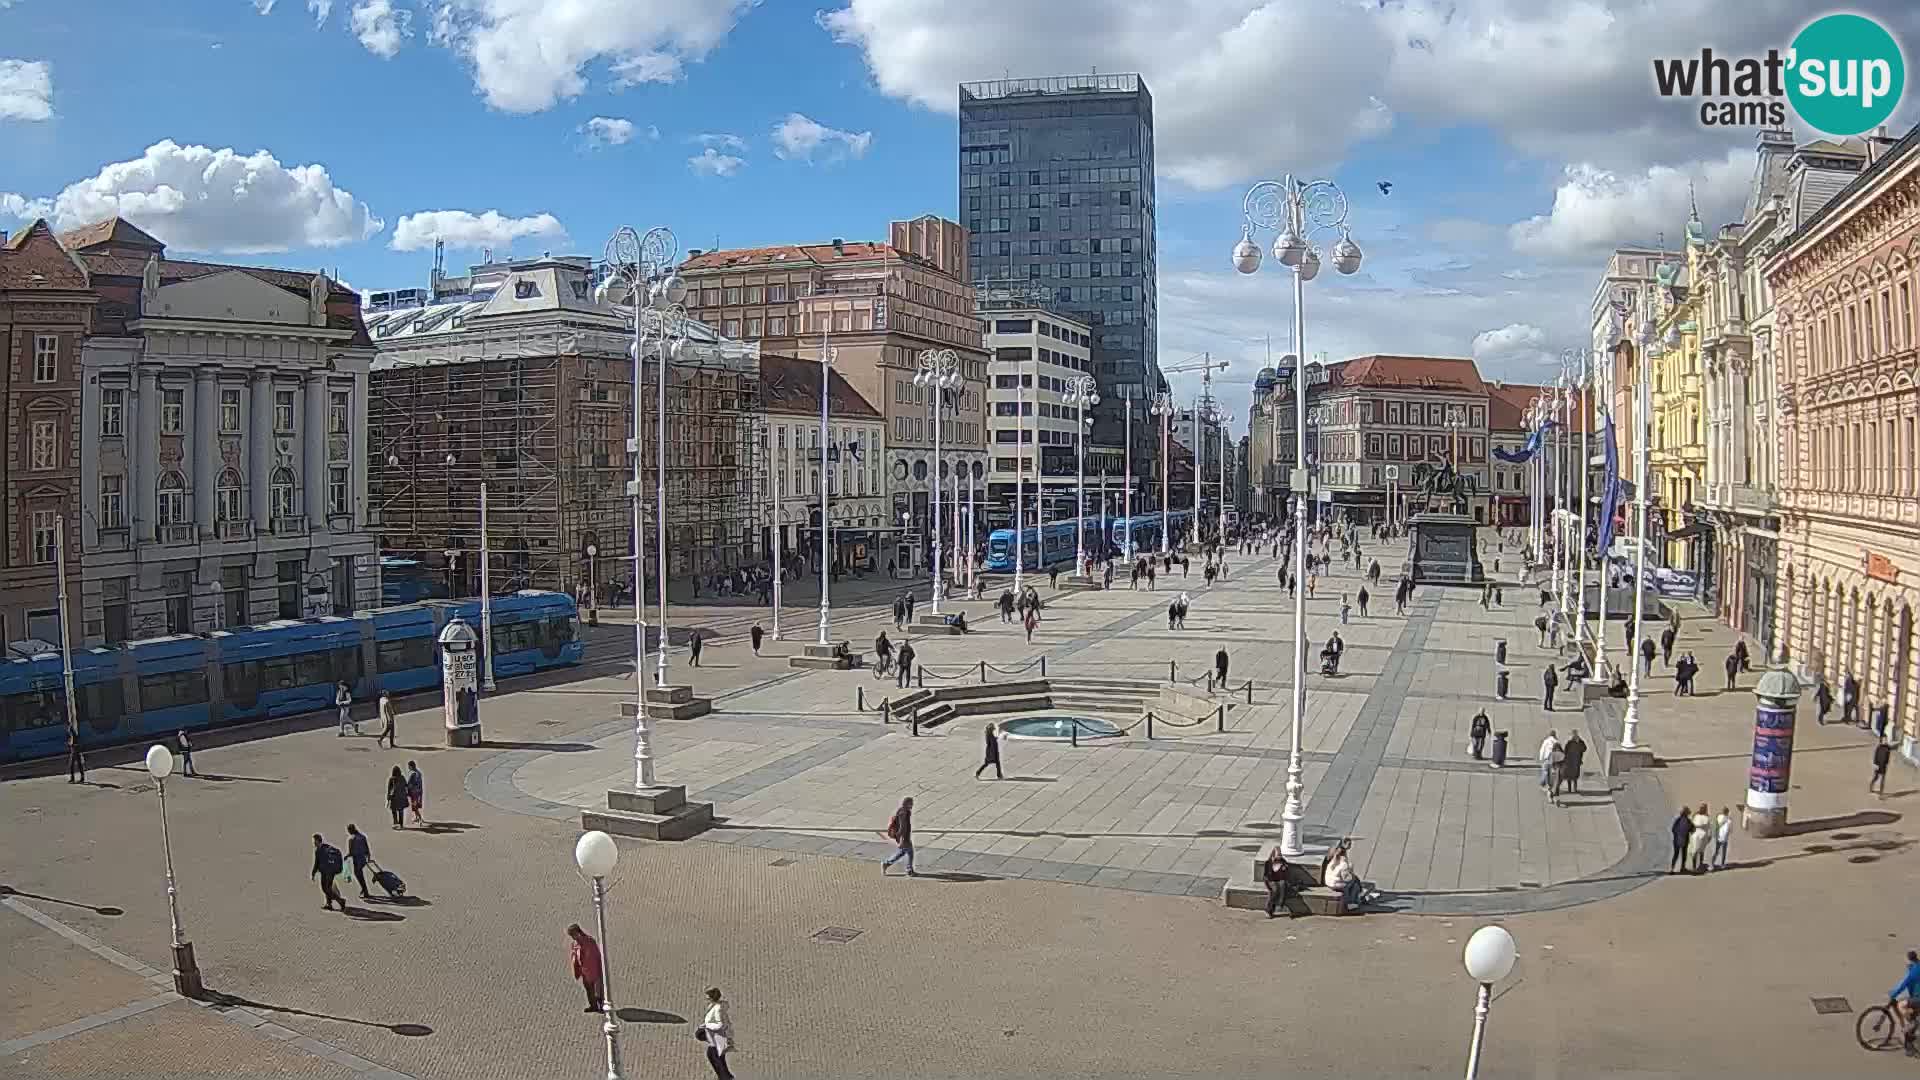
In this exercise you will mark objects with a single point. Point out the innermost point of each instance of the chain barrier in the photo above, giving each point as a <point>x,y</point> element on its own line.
<point>1028,666</point>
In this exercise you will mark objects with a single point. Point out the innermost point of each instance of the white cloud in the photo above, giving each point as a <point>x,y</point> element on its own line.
<point>608,131</point>
<point>22,208</point>
<point>199,199</point>
<point>26,90</point>
<point>380,27</point>
<point>1595,210</point>
<point>799,138</point>
<point>320,9</point>
<point>527,55</point>
<point>720,141</point>
<point>469,231</point>
<point>1513,347</point>
<point>264,7</point>
<point>711,162</point>
<point>1247,88</point>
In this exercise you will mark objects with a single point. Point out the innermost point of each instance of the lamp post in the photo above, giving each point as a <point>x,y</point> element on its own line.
<point>1649,341</point>
<point>1126,497</point>
<point>1163,408</point>
<point>973,529</point>
<point>186,974</point>
<point>1296,211</point>
<point>640,282</point>
<point>596,854</point>
<point>486,599</point>
<point>1490,954</point>
<point>1020,479</point>
<point>1221,418</point>
<point>1080,394</point>
<point>828,354</point>
<point>593,587</point>
<point>939,373</point>
<point>778,469</point>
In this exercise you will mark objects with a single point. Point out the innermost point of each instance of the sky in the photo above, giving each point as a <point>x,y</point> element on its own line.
<point>1522,139</point>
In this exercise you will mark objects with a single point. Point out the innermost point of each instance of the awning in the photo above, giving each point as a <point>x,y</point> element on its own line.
<point>1687,532</point>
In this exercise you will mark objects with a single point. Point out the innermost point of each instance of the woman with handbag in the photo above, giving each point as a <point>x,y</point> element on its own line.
<point>716,1030</point>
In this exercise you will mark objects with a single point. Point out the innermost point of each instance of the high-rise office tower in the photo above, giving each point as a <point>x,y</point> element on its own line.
<point>1056,188</point>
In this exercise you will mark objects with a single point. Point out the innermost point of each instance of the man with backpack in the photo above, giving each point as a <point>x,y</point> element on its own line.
<point>900,831</point>
<point>326,865</point>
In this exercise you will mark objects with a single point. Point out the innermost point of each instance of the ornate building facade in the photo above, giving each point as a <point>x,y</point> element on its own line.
<point>1844,286</point>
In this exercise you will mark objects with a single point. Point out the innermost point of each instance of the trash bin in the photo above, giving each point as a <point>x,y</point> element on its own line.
<point>1499,749</point>
<point>1499,650</point>
<point>1501,679</point>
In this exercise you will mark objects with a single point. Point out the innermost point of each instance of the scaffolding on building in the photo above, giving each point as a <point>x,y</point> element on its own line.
<point>542,417</point>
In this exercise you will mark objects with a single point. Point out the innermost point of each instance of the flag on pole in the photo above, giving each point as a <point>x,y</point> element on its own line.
<point>1609,493</point>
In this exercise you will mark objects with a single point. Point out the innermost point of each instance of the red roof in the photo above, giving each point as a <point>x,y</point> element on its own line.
<point>34,260</point>
<point>1507,405</point>
<point>1429,372</point>
<point>849,251</point>
<point>792,386</point>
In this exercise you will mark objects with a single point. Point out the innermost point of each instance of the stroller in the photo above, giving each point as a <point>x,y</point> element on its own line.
<point>1329,662</point>
<point>389,881</point>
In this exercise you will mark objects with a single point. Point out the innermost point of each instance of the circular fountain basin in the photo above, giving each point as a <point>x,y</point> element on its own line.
<point>1058,728</point>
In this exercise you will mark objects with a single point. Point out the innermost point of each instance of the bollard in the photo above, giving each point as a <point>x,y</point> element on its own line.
<point>1173,671</point>
<point>1149,725</point>
<point>859,698</point>
<point>886,711</point>
<point>920,677</point>
<point>1043,667</point>
<point>1249,691</point>
<point>1209,682</point>
<point>1073,727</point>
<point>1220,720</point>
<point>983,671</point>
<point>916,723</point>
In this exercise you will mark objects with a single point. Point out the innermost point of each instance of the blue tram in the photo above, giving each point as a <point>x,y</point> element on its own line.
<point>146,689</point>
<point>1050,545</point>
<point>1145,530</point>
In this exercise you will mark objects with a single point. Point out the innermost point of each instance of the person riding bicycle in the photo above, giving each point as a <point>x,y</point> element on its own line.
<point>883,649</point>
<point>1910,986</point>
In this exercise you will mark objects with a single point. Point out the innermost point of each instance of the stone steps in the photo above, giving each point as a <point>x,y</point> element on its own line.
<point>656,813</point>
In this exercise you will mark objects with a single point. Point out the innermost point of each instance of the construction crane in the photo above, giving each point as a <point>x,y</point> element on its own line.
<point>1163,407</point>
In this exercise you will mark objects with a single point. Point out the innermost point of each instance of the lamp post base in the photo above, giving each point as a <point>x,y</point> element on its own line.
<point>186,973</point>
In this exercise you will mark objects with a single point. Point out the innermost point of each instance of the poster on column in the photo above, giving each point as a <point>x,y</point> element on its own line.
<point>1771,770</point>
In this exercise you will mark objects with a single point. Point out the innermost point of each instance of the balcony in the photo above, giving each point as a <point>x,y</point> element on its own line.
<point>177,534</point>
<point>290,526</point>
<point>235,530</point>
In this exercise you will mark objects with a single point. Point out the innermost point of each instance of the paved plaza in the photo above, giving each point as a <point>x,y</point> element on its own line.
<point>1068,923</point>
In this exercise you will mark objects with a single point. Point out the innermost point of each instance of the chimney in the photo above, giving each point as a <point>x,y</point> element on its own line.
<point>694,253</point>
<point>3,236</point>
<point>839,246</point>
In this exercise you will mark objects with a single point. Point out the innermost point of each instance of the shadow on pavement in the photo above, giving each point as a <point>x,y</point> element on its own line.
<point>554,747</point>
<point>955,876</point>
<point>435,828</point>
<point>649,1016</point>
<point>1844,821</point>
<point>110,912</point>
<point>399,901</point>
<point>222,778</point>
<point>218,1000</point>
<point>371,915</point>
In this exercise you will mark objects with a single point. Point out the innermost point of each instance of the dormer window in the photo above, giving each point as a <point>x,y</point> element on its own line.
<point>525,290</point>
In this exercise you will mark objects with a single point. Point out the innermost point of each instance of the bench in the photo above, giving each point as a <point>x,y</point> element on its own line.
<point>1307,897</point>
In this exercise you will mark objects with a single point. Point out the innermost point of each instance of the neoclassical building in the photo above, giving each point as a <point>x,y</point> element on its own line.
<point>1844,284</point>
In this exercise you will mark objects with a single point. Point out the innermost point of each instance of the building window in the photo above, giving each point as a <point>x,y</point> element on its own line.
<point>337,492</point>
<point>283,411</point>
<point>45,522</point>
<point>113,404</point>
<point>45,445</point>
<point>230,410</point>
<point>733,294</point>
<point>173,499</point>
<point>233,595</point>
<point>173,407</point>
<point>179,599</point>
<point>280,493</point>
<point>113,502</point>
<point>46,358</point>
<point>733,328</point>
<point>338,404</point>
<point>776,294</point>
<point>113,609</point>
<point>777,326</point>
<point>287,587</point>
<point>228,505</point>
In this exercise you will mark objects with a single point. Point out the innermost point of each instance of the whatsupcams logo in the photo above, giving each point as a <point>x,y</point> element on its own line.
<point>1843,75</point>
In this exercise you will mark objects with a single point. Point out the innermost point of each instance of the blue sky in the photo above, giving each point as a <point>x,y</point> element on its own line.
<point>1521,136</point>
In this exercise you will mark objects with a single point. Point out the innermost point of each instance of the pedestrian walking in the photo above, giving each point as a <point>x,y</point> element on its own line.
<point>326,866</point>
<point>1549,750</point>
<point>360,854</point>
<point>1880,716</point>
<point>899,612</point>
<point>343,702</point>
<point>1882,754</point>
<point>1344,609</point>
<point>716,1030</point>
<point>905,660</point>
<point>1682,829</point>
<point>1030,623</point>
<point>76,761</point>
<point>416,792</point>
<point>1823,697</point>
<point>755,635</point>
<point>1732,664</point>
<point>1477,730</point>
<point>1646,657</point>
<point>1363,597</point>
<point>1550,679</point>
<point>694,644</point>
<point>1697,840</point>
<point>584,952</point>
<point>1849,699</point>
<point>1722,836</point>
<point>1220,667</point>
<point>397,797</point>
<point>1666,646</point>
<point>1572,755</point>
<point>1053,577</point>
<point>900,831</point>
<point>1740,653</point>
<point>387,721</point>
<point>185,748</point>
<point>993,755</point>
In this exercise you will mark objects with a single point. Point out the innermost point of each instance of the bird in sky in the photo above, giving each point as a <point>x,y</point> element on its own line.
<point>1385,186</point>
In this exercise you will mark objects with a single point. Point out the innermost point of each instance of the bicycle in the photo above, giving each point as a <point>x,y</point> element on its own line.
<point>1878,1028</point>
<point>882,668</point>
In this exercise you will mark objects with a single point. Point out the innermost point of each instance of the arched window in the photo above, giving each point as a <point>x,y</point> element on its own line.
<point>173,498</point>
<point>228,504</point>
<point>280,493</point>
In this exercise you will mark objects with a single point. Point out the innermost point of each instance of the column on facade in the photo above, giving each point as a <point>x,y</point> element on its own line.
<point>260,449</point>
<point>145,454</point>
<point>313,457</point>
<point>206,447</point>
<point>357,455</point>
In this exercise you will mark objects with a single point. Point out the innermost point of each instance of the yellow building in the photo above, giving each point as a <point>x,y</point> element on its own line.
<point>1678,466</point>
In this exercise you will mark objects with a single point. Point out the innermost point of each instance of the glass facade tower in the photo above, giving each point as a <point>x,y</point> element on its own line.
<point>1056,189</point>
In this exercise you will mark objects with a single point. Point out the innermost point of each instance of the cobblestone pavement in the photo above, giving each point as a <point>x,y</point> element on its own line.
<point>970,971</point>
